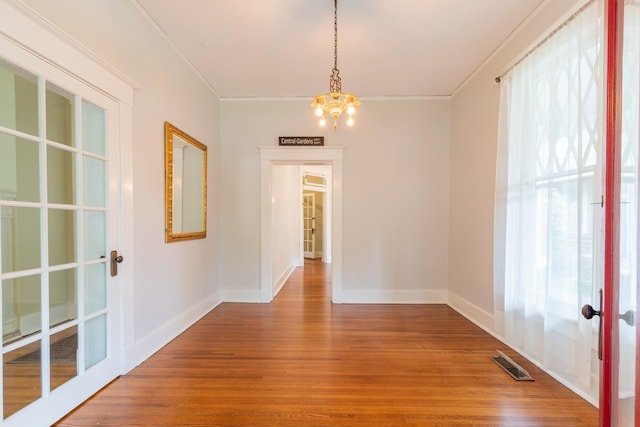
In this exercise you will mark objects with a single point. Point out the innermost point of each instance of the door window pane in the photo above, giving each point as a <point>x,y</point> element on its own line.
<point>62,226</point>
<point>18,99</point>
<point>95,340</point>
<point>59,115</point>
<point>95,239</point>
<point>21,307</point>
<point>60,174</point>
<point>63,354</point>
<point>21,378</point>
<point>19,169</point>
<point>93,129</point>
<point>95,288</point>
<point>95,182</point>
<point>62,297</point>
<point>21,232</point>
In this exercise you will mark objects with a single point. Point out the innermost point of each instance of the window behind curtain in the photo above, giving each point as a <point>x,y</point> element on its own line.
<point>548,195</point>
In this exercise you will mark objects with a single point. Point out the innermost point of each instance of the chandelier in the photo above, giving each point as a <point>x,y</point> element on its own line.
<point>335,102</point>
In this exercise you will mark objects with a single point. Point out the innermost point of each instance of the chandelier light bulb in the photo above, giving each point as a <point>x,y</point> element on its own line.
<point>351,109</point>
<point>319,111</point>
<point>323,122</point>
<point>350,121</point>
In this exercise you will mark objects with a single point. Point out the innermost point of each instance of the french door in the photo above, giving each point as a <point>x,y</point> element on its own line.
<point>59,199</point>
<point>620,365</point>
<point>309,224</point>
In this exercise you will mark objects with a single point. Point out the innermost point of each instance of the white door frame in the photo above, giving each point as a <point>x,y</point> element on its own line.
<point>270,156</point>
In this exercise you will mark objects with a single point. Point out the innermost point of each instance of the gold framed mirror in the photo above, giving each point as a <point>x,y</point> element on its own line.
<point>185,186</point>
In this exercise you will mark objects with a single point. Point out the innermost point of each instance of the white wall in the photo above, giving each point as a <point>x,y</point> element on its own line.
<point>395,195</point>
<point>173,283</point>
<point>474,130</point>
<point>286,198</point>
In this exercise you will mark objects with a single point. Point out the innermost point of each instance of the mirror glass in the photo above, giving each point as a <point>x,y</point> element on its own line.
<point>186,186</point>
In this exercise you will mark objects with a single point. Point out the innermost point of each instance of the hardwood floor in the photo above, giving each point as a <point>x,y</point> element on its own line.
<point>302,361</point>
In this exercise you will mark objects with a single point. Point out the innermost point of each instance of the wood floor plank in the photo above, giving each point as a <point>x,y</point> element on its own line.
<point>304,361</point>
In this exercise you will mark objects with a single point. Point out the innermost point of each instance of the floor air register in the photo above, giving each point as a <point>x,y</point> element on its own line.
<point>511,367</point>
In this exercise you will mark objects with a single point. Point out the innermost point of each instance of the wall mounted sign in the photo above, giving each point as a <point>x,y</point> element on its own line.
<point>306,141</point>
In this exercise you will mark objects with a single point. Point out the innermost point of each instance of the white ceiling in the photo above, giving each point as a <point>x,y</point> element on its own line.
<point>284,48</point>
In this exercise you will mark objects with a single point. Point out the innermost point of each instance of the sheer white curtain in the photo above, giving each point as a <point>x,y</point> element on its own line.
<point>548,193</point>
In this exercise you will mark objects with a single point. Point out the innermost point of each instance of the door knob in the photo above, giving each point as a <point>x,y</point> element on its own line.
<point>588,312</point>
<point>629,317</point>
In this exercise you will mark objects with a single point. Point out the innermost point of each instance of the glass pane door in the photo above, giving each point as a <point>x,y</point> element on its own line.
<point>56,218</point>
<point>308,229</point>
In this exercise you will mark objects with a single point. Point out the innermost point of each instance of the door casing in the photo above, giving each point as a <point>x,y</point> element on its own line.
<point>270,156</point>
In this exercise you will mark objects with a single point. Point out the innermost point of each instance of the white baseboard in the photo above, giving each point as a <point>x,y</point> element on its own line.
<point>277,286</point>
<point>147,346</point>
<point>472,312</point>
<point>9,326</point>
<point>31,323</point>
<point>241,295</point>
<point>376,296</point>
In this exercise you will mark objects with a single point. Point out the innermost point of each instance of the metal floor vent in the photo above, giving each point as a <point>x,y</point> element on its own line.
<point>511,367</point>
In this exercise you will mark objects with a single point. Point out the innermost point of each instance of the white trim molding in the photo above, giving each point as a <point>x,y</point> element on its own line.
<point>23,30</point>
<point>279,284</point>
<point>473,313</point>
<point>150,344</point>
<point>377,296</point>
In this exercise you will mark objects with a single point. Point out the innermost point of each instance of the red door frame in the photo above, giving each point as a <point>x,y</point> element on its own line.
<point>609,371</point>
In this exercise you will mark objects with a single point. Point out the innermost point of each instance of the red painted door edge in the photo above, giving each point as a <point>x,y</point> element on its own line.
<point>610,307</point>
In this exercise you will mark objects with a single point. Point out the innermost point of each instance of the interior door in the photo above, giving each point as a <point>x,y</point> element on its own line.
<point>59,197</point>
<point>309,224</point>
<point>619,358</point>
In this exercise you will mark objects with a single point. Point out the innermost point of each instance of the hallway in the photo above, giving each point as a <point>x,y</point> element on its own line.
<point>302,361</point>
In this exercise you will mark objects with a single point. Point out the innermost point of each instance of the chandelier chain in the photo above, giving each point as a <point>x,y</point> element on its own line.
<point>335,83</point>
<point>335,34</point>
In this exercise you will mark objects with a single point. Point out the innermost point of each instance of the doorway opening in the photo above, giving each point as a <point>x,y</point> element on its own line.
<point>316,212</point>
<point>328,158</point>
